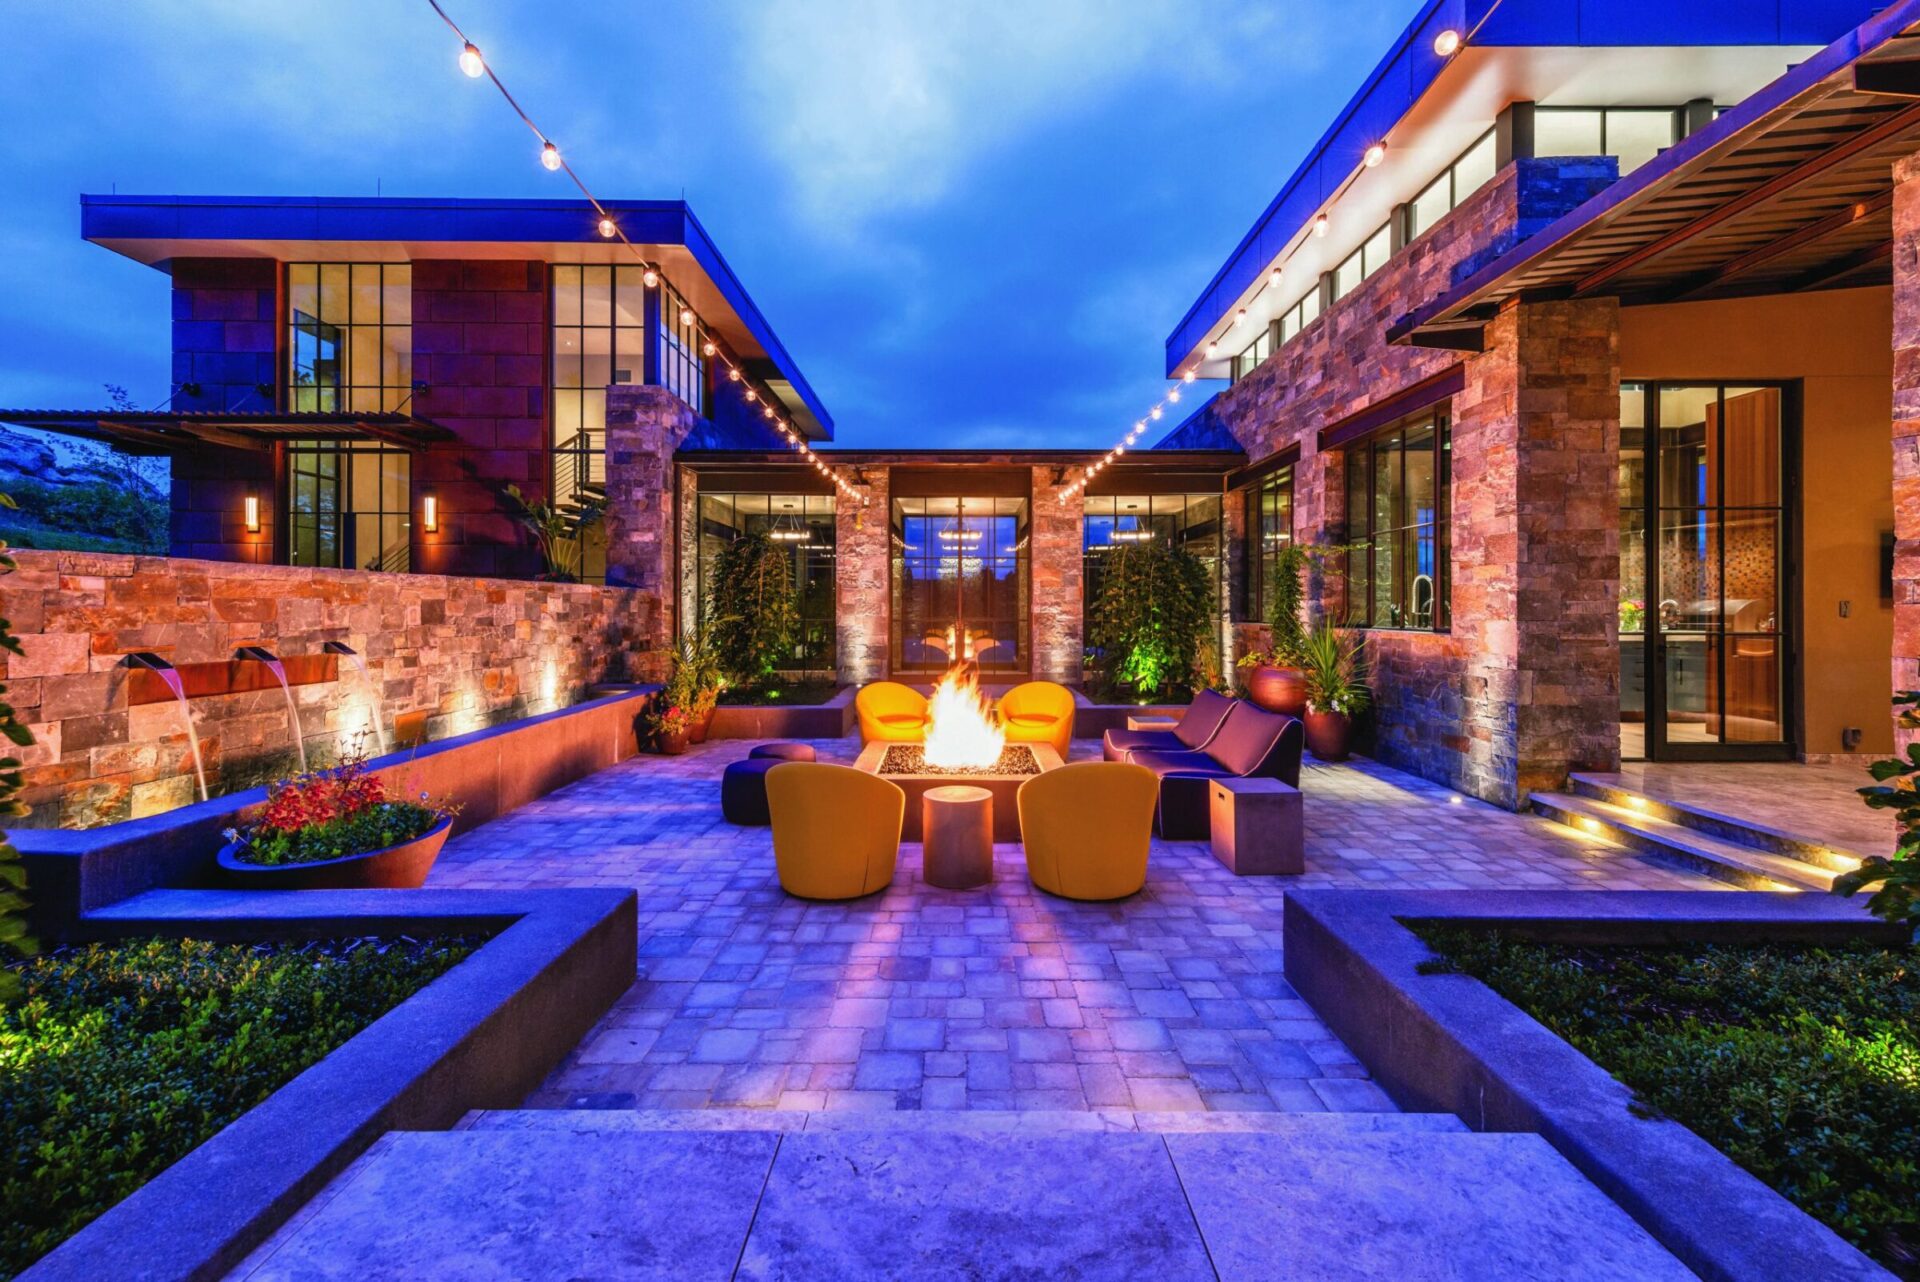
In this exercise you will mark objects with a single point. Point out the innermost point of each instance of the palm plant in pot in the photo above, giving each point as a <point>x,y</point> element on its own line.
<point>1334,664</point>
<point>1275,680</point>
<point>696,665</point>
<point>338,829</point>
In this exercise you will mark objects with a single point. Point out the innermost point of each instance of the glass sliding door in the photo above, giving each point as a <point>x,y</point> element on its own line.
<point>960,570</point>
<point>1711,550</point>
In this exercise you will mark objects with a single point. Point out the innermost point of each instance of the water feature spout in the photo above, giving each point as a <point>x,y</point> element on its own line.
<point>366,679</point>
<point>260,654</point>
<point>166,672</point>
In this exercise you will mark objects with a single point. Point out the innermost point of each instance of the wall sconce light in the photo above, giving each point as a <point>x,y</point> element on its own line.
<point>430,514</point>
<point>252,507</point>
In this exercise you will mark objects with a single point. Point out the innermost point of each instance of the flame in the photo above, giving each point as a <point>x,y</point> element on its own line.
<point>961,730</point>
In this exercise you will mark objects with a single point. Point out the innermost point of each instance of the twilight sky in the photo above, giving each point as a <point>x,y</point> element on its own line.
<point>972,223</point>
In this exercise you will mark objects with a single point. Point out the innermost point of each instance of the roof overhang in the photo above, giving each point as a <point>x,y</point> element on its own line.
<point>1428,109</point>
<point>1787,192</point>
<point>156,230</point>
<point>164,432</point>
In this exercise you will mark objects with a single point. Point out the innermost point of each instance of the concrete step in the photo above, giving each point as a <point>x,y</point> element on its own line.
<point>963,1122</point>
<point>1740,831</point>
<point>539,1204</point>
<point>1744,866</point>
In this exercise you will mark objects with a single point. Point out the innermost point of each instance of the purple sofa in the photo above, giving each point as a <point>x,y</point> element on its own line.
<point>1249,744</point>
<point>1198,724</point>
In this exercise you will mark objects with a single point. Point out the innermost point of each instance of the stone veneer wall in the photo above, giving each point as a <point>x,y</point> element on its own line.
<point>467,652</point>
<point>645,425</point>
<point>862,570</point>
<point>1057,544</point>
<point>1906,431</point>
<point>1452,706</point>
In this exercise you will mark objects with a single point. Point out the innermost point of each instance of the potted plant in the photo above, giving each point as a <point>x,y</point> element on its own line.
<point>556,528</point>
<point>672,727</point>
<point>337,829</point>
<point>1274,678</point>
<point>1335,667</point>
<point>699,680</point>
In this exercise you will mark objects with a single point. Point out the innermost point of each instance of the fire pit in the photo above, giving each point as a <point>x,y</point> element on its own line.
<point>964,743</point>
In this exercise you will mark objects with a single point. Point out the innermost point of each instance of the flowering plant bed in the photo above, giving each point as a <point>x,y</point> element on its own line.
<point>1802,1064</point>
<point>123,1057</point>
<point>339,828</point>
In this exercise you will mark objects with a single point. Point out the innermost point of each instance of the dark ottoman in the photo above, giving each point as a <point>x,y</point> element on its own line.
<point>743,791</point>
<point>782,752</point>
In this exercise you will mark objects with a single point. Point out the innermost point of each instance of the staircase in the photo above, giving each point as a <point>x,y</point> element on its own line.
<point>721,1194</point>
<point>1743,853</point>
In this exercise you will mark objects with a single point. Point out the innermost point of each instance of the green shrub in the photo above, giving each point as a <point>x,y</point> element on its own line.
<point>1153,617</point>
<point>131,515</point>
<point>121,1058</point>
<point>752,608</point>
<point>1801,1064</point>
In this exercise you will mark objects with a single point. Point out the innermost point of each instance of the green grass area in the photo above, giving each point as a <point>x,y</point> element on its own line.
<point>1802,1064</point>
<point>793,694</point>
<point>121,1058</point>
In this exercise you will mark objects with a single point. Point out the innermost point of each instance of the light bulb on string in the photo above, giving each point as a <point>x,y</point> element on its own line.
<point>549,155</point>
<point>708,348</point>
<point>686,315</point>
<point>1188,377</point>
<point>649,278</point>
<point>1173,394</point>
<point>471,62</point>
<point>1447,43</point>
<point>1375,154</point>
<point>1156,413</point>
<point>607,229</point>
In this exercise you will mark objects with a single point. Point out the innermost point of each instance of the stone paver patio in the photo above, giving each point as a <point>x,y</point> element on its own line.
<point>995,998</point>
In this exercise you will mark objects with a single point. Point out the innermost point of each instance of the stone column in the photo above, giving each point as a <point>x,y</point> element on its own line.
<point>645,425</point>
<point>1536,549</point>
<point>1906,429</point>
<point>1055,623</point>
<point>863,606</point>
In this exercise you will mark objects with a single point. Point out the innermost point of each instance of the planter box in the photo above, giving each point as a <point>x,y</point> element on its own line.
<point>833,719</point>
<point>401,867</point>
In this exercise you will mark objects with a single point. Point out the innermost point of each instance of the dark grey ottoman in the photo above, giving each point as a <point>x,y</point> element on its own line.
<point>743,791</point>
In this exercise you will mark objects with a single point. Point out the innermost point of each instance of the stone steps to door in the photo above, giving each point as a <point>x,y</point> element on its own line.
<point>1310,1197</point>
<point>1714,823</point>
<point>1737,863</point>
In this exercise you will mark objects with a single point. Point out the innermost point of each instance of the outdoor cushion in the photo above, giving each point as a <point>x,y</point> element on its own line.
<point>1197,725</point>
<point>1247,739</point>
<point>1039,712</point>
<point>891,712</point>
<point>782,752</point>
<point>1178,762</point>
<point>743,791</point>
<point>1087,828</point>
<point>836,830</point>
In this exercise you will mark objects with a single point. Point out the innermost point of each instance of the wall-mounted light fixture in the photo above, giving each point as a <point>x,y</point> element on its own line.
<point>252,506</point>
<point>430,514</point>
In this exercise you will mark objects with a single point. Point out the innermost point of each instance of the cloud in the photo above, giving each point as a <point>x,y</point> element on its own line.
<point>879,106</point>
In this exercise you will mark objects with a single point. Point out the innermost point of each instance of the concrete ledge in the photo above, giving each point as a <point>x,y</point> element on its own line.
<point>1093,720</point>
<point>481,1036</point>
<point>489,771</point>
<point>1449,1043</point>
<point>833,719</point>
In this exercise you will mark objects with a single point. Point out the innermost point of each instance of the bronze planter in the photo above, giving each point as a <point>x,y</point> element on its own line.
<point>1329,734</point>
<point>1282,690</point>
<point>670,745</point>
<point>401,867</point>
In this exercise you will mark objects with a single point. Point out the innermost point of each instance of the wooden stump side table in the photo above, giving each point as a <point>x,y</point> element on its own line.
<point>956,823</point>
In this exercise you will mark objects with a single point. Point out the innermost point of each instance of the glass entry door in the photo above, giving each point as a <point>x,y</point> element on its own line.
<point>960,584</point>
<point>1704,492</point>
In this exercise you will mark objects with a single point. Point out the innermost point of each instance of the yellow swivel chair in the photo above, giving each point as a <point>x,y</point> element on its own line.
<point>1087,827</point>
<point>891,713</point>
<point>1039,712</point>
<point>836,830</point>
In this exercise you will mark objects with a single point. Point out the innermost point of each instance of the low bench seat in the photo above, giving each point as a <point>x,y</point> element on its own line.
<point>1197,727</point>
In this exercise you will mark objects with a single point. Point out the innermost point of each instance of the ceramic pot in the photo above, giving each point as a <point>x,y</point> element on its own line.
<point>670,745</point>
<point>702,725</point>
<point>1329,735</point>
<point>401,867</point>
<point>1281,690</point>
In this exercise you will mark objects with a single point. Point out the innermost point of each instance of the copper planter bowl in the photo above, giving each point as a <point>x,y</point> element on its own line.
<point>1281,690</point>
<point>401,867</point>
<point>1329,735</point>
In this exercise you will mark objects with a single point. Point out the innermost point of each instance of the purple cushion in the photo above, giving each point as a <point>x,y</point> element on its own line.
<point>782,752</point>
<point>1201,721</point>
<point>1179,763</point>
<point>1121,742</point>
<point>1246,739</point>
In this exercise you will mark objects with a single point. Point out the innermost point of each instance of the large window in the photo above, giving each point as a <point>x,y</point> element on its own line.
<point>1363,262</point>
<point>1190,522</point>
<point>683,370</point>
<point>599,338</point>
<point>1397,522</point>
<point>1456,182</point>
<point>803,526</point>
<point>1269,529</point>
<point>1632,135</point>
<point>350,337</point>
<point>347,505</point>
<point>960,575</point>
<point>1256,351</point>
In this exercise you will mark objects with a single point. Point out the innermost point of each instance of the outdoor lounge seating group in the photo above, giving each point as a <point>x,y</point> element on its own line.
<point>1086,826</point>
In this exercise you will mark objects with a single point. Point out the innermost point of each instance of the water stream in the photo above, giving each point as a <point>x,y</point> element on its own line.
<point>373,699</point>
<point>172,678</point>
<point>279,671</point>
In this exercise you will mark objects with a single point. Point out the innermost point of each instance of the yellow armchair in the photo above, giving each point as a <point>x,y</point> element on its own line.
<point>1039,712</point>
<point>1087,828</point>
<point>836,830</point>
<point>890,712</point>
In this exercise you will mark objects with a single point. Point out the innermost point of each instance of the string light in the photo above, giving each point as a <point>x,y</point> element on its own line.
<point>1447,43</point>
<point>1375,154</point>
<point>1320,226</point>
<point>475,66</point>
